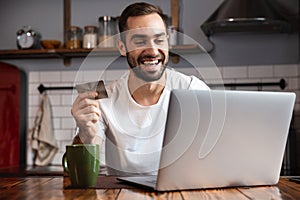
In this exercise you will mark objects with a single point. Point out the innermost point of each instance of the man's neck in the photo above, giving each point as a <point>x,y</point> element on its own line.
<point>146,93</point>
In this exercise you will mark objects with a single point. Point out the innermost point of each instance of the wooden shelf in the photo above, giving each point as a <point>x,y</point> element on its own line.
<point>76,53</point>
<point>54,53</point>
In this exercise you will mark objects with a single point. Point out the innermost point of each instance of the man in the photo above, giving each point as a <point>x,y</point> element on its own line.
<point>132,119</point>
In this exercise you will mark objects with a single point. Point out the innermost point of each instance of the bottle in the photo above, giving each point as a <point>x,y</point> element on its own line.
<point>74,38</point>
<point>106,31</point>
<point>173,37</point>
<point>90,37</point>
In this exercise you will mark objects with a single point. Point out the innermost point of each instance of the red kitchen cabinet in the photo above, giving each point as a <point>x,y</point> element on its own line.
<point>13,106</point>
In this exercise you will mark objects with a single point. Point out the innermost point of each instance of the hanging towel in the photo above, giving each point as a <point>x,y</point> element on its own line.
<point>43,142</point>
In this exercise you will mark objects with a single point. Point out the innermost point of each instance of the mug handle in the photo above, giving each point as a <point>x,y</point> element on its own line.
<point>65,163</point>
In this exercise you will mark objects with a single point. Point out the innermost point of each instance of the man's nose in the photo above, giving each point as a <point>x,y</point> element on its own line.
<point>151,49</point>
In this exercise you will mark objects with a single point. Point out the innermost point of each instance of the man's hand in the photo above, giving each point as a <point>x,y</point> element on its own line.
<point>86,113</point>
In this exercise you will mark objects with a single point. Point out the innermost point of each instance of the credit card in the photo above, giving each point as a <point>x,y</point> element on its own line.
<point>97,86</point>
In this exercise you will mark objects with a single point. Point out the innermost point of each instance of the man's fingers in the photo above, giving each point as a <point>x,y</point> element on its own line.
<point>89,110</point>
<point>85,119</point>
<point>84,97</point>
<point>88,95</point>
<point>83,100</point>
<point>87,103</point>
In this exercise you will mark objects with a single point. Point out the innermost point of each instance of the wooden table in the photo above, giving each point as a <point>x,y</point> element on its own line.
<point>53,188</point>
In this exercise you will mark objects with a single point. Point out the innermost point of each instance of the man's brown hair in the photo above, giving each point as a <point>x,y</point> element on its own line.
<point>138,9</point>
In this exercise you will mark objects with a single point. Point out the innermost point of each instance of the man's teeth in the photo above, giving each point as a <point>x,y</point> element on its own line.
<point>154,62</point>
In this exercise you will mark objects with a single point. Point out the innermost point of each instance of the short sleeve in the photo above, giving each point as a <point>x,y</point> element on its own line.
<point>197,84</point>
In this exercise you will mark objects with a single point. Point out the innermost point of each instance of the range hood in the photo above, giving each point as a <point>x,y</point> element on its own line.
<point>280,16</point>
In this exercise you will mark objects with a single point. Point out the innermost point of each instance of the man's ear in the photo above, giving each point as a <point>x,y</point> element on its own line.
<point>122,47</point>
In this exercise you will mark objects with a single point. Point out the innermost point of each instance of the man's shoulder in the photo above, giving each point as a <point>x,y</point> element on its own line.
<point>178,80</point>
<point>174,72</point>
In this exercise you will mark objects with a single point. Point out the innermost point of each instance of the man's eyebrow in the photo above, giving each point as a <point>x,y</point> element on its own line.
<point>160,34</point>
<point>138,36</point>
<point>143,36</point>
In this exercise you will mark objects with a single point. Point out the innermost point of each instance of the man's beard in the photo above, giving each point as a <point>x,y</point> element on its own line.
<point>146,75</point>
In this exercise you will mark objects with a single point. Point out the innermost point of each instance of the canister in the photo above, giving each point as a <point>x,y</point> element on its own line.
<point>74,37</point>
<point>107,29</point>
<point>90,37</point>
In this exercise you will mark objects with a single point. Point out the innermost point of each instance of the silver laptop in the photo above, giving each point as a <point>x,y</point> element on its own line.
<point>219,139</point>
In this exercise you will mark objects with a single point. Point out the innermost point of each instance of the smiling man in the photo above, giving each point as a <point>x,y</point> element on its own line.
<point>131,121</point>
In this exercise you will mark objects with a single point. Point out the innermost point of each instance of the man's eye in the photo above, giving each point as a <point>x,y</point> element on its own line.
<point>140,42</point>
<point>160,41</point>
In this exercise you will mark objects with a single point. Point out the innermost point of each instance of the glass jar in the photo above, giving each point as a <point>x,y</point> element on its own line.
<point>107,29</point>
<point>74,38</point>
<point>90,37</point>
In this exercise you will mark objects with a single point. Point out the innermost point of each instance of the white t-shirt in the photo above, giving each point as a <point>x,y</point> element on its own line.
<point>133,133</point>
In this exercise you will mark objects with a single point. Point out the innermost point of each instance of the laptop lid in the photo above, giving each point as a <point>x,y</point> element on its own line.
<point>224,139</point>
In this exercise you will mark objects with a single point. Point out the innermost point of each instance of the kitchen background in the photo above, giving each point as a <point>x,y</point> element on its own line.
<point>239,57</point>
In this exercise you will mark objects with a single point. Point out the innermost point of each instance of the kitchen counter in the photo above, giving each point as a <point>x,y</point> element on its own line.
<point>38,187</point>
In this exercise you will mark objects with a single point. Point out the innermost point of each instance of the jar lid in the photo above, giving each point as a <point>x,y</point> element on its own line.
<point>74,28</point>
<point>90,28</point>
<point>106,18</point>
